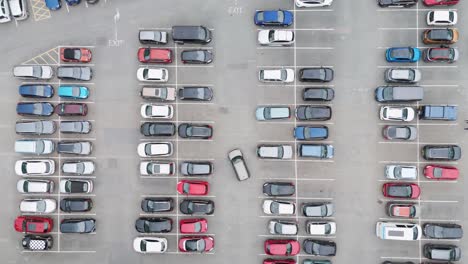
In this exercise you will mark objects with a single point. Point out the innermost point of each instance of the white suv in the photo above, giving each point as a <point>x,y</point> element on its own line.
<point>150,149</point>
<point>157,111</point>
<point>152,75</point>
<point>398,231</point>
<point>44,206</point>
<point>35,186</point>
<point>276,75</point>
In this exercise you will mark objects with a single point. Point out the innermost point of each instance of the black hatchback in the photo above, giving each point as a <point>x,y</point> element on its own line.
<point>397,3</point>
<point>153,225</point>
<point>197,56</point>
<point>70,205</point>
<point>278,188</point>
<point>197,207</point>
<point>154,205</point>
<point>318,113</point>
<point>160,129</point>
<point>78,225</point>
<point>318,74</point>
<point>319,247</point>
<point>443,231</point>
<point>195,131</point>
<point>318,94</point>
<point>195,93</point>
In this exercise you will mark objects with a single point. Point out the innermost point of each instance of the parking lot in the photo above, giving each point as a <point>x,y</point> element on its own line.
<point>351,37</point>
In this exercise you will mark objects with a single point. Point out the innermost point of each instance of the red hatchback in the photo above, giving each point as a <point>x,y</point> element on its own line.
<point>33,224</point>
<point>279,261</point>
<point>440,2</point>
<point>199,225</point>
<point>282,247</point>
<point>75,55</point>
<point>193,187</point>
<point>401,190</point>
<point>196,244</point>
<point>437,172</point>
<point>154,55</point>
<point>71,109</point>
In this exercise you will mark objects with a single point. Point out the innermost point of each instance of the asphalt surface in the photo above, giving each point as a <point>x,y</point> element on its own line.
<point>349,36</point>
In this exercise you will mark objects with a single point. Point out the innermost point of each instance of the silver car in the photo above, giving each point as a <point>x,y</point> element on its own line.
<point>41,127</point>
<point>282,227</point>
<point>78,127</point>
<point>75,147</point>
<point>275,151</point>
<point>82,73</point>
<point>35,186</point>
<point>35,167</point>
<point>238,163</point>
<point>272,112</point>
<point>42,72</point>
<point>401,172</point>
<point>5,15</point>
<point>34,146</point>
<point>78,167</point>
<point>19,9</point>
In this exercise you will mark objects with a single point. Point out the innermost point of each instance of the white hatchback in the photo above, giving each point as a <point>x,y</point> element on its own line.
<point>157,111</point>
<point>35,186</point>
<point>321,228</point>
<point>151,149</point>
<point>276,207</point>
<point>152,74</point>
<point>275,37</point>
<point>150,244</point>
<point>397,113</point>
<point>313,3</point>
<point>41,206</point>
<point>401,172</point>
<point>442,18</point>
<point>276,75</point>
<point>35,167</point>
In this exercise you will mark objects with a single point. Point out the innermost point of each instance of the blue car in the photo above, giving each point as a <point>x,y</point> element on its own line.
<point>53,4</point>
<point>273,18</point>
<point>73,2</point>
<point>73,92</point>
<point>35,109</point>
<point>311,132</point>
<point>36,90</point>
<point>403,54</point>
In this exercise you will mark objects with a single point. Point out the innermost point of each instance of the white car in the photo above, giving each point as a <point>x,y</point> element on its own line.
<point>396,113</point>
<point>76,186</point>
<point>275,37</point>
<point>43,72</point>
<point>442,18</point>
<point>157,111</point>
<point>35,186</point>
<point>35,167</point>
<point>157,168</point>
<point>5,15</point>
<point>321,228</point>
<point>313,3</point>
<point>277,207</point>
<point>281,227</point>
<point>151,149</point>
<point>398,231</point>
<point>34,146</point>
<point>401,172</point>
<point>19,9</point>
<point>42,206</point>
<point>275,151</point>
<point>152,74</point>
<point>78,167</point>
<point>276,75</point>
<point>150,244</point>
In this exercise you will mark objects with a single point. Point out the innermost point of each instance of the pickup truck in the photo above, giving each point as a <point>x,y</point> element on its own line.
<point>438,112</point>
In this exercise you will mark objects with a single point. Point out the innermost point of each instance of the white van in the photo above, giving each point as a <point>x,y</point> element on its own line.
<point>34,146</point>
<point>398,231</point>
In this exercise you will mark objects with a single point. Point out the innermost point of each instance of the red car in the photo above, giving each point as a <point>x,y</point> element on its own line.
<point>437,172</point>
<point>440,2</point>
<point>199,225</point>
<point>282,247</point>
<point>154,55</point>
<point>71,109</point>
<point>193,187</point>
<point>33,224</point>
<point>75,55</point>
<point>401,190</point>
<point>196,244</point>
<point>279,261</point>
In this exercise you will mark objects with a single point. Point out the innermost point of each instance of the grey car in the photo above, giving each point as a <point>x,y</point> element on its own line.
<point>442,252</point>
<point>323,209</point>
<point>78,127</point>
<point>41,127</point>
<point>78,167</point>
<point>443,231</point>
<point>43,72</point>
<point>272,113</point>
<point>79,225</point>
<point>197,56</point>
<point>152,37</point>
<point>75,147</point>
<point>79,73</point>
<point>313,113</point>
<point>319,247</point>
<point>196,93</point>
<point>158,129</point>
<point>318,151</point>
<point>278,189</point>
<point>154,205</point>
<point>199,168</point>
<point>400,132</point>
<point>402,75</point>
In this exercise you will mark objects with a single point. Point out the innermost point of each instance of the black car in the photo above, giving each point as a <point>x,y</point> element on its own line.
<point>197,56</point>
<point>278,188</point>
<point>442,252</point>
<point>397,3</point>
<point>195,93</point>
<point>397,262</point>
<point>69,205</point>
<point>441,152</point>
<point>160,129</point>
<point>197,207</point>
<point>75,147</point>
<point>195,131</point>
<point>35,109</point>
<point>308,112</point>
<point>78,225</point>
<point>154,205</point>
<point>191,34</point>
<point>318,74</point>
<point>318,94</point>
<point>319,247</point>
<point>37,243</point>
<point>153,225</point>
<point>443,231</point>
<point>36,90</point>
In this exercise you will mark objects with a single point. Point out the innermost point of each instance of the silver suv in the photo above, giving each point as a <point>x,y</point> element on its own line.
<point>33,72</point>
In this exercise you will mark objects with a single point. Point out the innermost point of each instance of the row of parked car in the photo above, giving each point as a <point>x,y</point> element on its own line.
<point>402,88</point>
<point>36,171</point>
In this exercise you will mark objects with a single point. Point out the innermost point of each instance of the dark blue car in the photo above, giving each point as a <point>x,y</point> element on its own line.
<point>72,2</point>
<point>35,109</point>
<point>311,132</point>
<point>36,91</point>
<point>53,4</point>
<point>273,18</point>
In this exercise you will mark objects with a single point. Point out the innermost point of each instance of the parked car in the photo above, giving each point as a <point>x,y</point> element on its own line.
<point>34,146</point>
<point>275,37</point>
<point>441,152</point>
<point>150,245</point>
<point>273,18</point>
<point>401,190</point>
<point>313,113</point>
<point>316,132</point>
<point>78,73</point>
<point>196,168</point>
<point>156,205</point>
<point>401,172</point>
<point>282,247</point>
<point>35,109</point>
<point>279,261</point>
<point>238,163</point>
<point>37,243</point>
<point>69,54</point>
<point>43,167</point>
<point>193,225</point>
<point>442,54</point>
<point>318,151</point>
<point>155,149</point>
<point>443,231</point>
<point>198,56</point>
<point>33,72</point>
<point>318,94</point>
<point>321,228</point>
<point>39,206</point>
<point>76,186</point>
<point>72,205</point>
<point>272,113</point>
<point>279,188</point>
<point>196,244</point>
<point>400,132</point>
<point>53,4</point>
<point>77,127</point>
<point>195,131</point>
<point>71,109</point>
<point>313,3</point>
<point>75,147</point>
<point>78,225</point>
<point>276,75</point>
<point>442,18</point>
<point>157,111</point>
<point>73,92</point>
<point>152,37</point>
<point>5,15</point>
<point>398,231</point>
<point>154,55</point>
<point>197,207</point>
<point>282,227</point>
<point>19,9</point>
<point>402,75</point>
<point>149,168</point>
<point>438,112</point>
<point>279,207</point>
<point>403,210</point>
<point>397,113</point>
<point>153,225</point>
<point>440,36</point>
<point>440,2</point>
<point>397,3</point>
<point>41,127</point>
<point>195,93</point>
<point>442,252</point>
<point>319,247</point>
<point>152,74</point>
<point>316,74</point>
<point>441,172</point>
<point>35,186</point>
<point>403,54</point>
<point>275,151</point>
<point>318,209</point>
<point>77,167</point>
<point>73,2</point>
<point>189,187</point>
<point>399,93</point>
<point>33,224</point>
<point>36,90</point>
<point>326,261</point>
<point>158,93</point>
<point>191,34</point>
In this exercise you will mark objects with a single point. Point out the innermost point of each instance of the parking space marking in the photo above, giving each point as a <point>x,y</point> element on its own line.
<point>189,253</point>
<point>174,121</point>
<point>297,48</point>
<point>420,162</point>
<point>297,198</point>
<point>169,195</point>
<point>282,86</point>
<point>439,85</point>
<point>296,236</point>
<point>422,201</point>
<point>293,142</point>
<point>420,124</point>
<point>49,57</point>
<point>422,220</point>
<point>171,215</point>
<point>40,10</point>
<point>420,66</point>
<point>298,160</point>
<point>411,258</point>
<point>421,181</point>
<point>298,179</point>
<point>297,216</point>
<point>310,10</point>
<point>415,142</point>
<point>293,66</point>
<point>60,251</point>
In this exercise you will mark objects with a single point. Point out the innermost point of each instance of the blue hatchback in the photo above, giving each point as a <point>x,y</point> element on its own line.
<point>36,90</point>
<point>403,54</point>
<point>53,4</point>
<point>311,132</point>
<point>273,18</point>
<point>73,92</point>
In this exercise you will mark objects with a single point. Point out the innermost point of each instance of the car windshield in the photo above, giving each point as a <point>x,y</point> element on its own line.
<point>403,53</point>
<point>415,233</point>
<point>274,207</point>
<point>37,71</point>
<point>40,146</point>
<point>404,113</point>
<point>147,54</point>
<point>75,91</point>
<point>284,75</point>
<point>397,172</point>
<point>288,248</point>
<point>278,228</point>
<point>197,227</point>
<point>323,209</point>
<point>194,244</point>
<point>186,188</point>
<point>260,16</point>
<point>143,245</point>
<point>267,112</point>
<point>41,206</point>
<point>37,108</point>
<point>280,16</point>
<point>327,228</point>
<point>437,172</point>
<point>441,34</point>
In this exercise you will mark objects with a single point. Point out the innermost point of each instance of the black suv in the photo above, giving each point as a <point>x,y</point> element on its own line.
<point>320,74</point>
<point>397,3</point>
<point>191,34</point>
<point>161,129</point>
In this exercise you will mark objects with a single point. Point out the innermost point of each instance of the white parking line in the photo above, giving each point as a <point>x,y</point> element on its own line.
<point>298,48</point>
<point>415,143</point>
<point>294,66</point>
<point>439,85</point>
<point>311,10</point>
<point>295,216</point>
<point>420,181</point>
<point>409,9</point>
<point>175,66</point>
<point>291,236</point>
<point>403,28</point>
<point>299,160</point>
<point>175,121</point>
<point>414,162</point>
<point>423,66</point>
<point>172,215</point>
<point>298,198</point>
<point>410,258</point>
<point>180,195</point>
<point>189,253</point>
<point>282,85</point>
<point>422,219</point>
<point>59,251</point>
<point>420,124</point>
<point>292,141</point>
<point>422,201</point>
<point>296,123</point>
<point>299,179</point>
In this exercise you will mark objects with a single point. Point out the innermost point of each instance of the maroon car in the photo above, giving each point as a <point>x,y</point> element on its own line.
<point>71,109</point>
